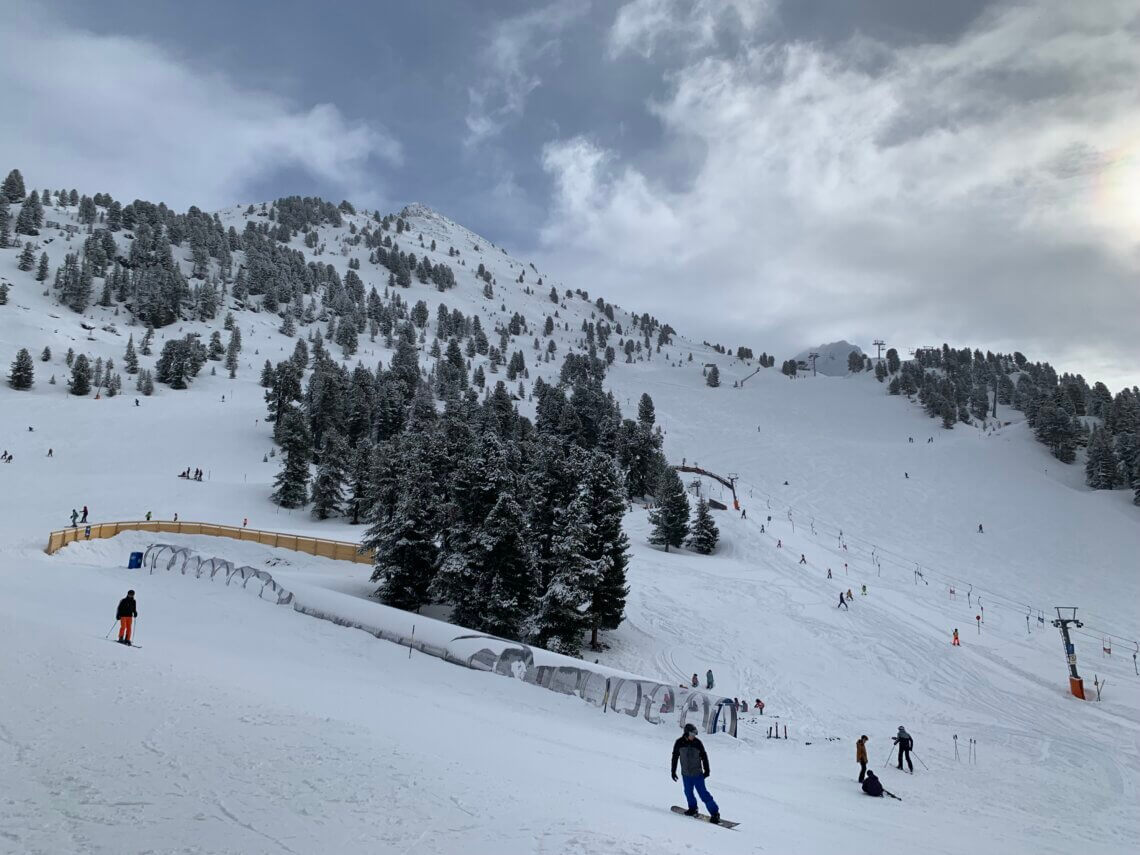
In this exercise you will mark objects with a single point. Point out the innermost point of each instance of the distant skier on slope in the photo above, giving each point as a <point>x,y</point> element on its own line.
<point>842,601</point>
<point>828,572</point>
<point>74,517</point>
<point>709,679</point>
<point>694,769</point>
<point>955,642</point>
<point>696,681</point>
<point>125,614</point>
<point>905,743</point>
<point>802,559</point>
<point>980,531</point>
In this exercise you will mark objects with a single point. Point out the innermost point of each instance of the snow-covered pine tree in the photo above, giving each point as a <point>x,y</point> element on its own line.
<point>292,482</point>
<point>328,486</point>
<point>670,518</point>
<point>713,377</point>
<point>45,356</point>
<point>705,534</point>
<point>1101,467</point>
<point>13,187</point>
<point>404,540</point>
<point>232,351</point>
<point>80,383</point>
<point>130,358</point>
<point>27,258</point>
<point>5,222</point>
<point>22,375</point>
<point>560,615</point>
<point>605,543</point>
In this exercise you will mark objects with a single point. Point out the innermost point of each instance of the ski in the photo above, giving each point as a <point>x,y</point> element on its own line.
<point>724,823</point>
<point>132,644</point>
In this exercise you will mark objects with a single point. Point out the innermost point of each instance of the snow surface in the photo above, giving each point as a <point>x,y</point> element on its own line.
<point>241,726</point>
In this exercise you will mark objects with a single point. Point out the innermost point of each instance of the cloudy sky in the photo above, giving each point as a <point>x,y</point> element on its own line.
<point>776,173</point>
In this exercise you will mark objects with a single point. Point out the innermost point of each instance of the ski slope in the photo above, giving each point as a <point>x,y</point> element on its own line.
<point>240,726</point>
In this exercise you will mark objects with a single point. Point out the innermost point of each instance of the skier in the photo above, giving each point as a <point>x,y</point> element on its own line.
<point>872,786</point>
<point>696,681</point>
<point>907,474</point>
<point>850,598</point>
<point>50,453</point>
<point>861,756</point>
<point>125,614</point>
<point>744,513</point>
<point>136,402</point>
<point>709,679</point>
<point>74,517</point>
<point>83,519</point>
<point>864,592</point>
<point>148,516</point>
<point>779,543</point>
<point>828,572</point>
<point>761,528</point>
<point>694,769</point>
<point>759,706</point>
<point>842,601</point>
<point>802,559</point>
<point>905,744</point>
<point>980,529</point>
<point>955,642</point>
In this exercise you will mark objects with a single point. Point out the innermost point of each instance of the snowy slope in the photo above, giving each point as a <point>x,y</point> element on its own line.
<point>243,727</point>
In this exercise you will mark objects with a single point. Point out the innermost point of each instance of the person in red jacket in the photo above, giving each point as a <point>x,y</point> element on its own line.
<point>125,615</point>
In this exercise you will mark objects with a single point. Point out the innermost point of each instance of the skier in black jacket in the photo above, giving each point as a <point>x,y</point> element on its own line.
<point>872,786</point>
<point>905,744</point>
<point>125,614</point>
<point>694,769</point>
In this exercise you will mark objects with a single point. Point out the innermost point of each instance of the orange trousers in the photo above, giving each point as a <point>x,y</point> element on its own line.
<point>954,642</point>
<point>125,628</point>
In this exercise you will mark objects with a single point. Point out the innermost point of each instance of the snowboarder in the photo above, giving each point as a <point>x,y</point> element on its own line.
<point>802,559</point>
<point>872,786</point>
<point>907,475</point>
<point>761,528</point>
<point>694,769</point>
<point>83,519</point>
<point>696,681</point>
<point>955,642</point>
<point>744,513</point>
<point>779,543</point>
<point>842,601</point>
<point>709,679</point>
<point>125,614</point>
<point>136,402</point>
<point>861,756</point>
<point>74,517</point>
<point>905,744</point>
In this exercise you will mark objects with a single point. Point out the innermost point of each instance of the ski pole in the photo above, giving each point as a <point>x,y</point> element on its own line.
<point>889,756</point>
<point>108,635</point>
<point>919,759</point>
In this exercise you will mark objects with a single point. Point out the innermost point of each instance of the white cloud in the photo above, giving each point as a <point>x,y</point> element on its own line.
<point>644,26</point>
<point>515,47</point>
<point>981,192</point>
<point>121,115</point>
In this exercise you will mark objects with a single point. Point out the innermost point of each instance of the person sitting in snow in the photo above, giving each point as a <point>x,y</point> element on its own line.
<point>872,786</point>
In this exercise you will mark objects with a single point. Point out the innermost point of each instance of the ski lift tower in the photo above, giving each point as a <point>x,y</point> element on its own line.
<point>1068,615</point>
<point>878,344</point>
<point>813,356</point>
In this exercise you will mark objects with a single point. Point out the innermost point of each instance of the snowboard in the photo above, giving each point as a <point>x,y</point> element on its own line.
<point>724,823</point>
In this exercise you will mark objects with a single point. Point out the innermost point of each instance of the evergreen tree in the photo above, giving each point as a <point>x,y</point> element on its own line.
<point>130,358</point>
<point>145,382</point>
<point>267,375</point>
<point>854,361</point>
<point>23,372</point>
<point>148,337</point>
<point>232,351</point>
<point>713,377</point>
<point>292,482</point>
<point>1101,466</point>
<point>646,412</point>
<point>42,269</point>
<point>328,487</point>
<point>27,258</point>
<point>216,351</point>
<point>80,376</point>
<point>3,293</point>
<point>670,518</point>
<point>605,543</point>
<point>561,616</point>
<point>5,222</point>
<point>404,540</point>
<point>45,356</point>
<point>13,187</point>
<point>705,533</point>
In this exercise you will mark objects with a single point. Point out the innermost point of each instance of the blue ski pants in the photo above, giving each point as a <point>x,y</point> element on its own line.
<point>697,782</point>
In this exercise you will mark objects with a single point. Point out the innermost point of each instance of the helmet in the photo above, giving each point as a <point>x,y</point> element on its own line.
<point>691,728</point>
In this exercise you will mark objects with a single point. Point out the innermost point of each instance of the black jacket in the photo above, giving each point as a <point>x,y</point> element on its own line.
<point>126,608</point>
<point>694,760</point>
<point>872,786</point>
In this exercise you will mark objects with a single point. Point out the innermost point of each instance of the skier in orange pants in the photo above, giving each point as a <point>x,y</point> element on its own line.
<point>955,642</point>
<point>125,615</point>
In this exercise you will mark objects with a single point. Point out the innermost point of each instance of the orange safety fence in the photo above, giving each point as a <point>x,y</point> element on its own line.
<point>336,549</point>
